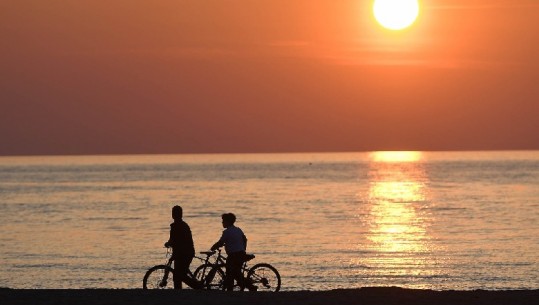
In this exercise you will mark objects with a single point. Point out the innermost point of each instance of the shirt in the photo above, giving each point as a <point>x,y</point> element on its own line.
<point>234,240</point>
<point>181,239</point>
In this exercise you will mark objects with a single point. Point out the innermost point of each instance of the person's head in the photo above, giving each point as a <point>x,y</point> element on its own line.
<point>177,212</point>
<point>228,219</point>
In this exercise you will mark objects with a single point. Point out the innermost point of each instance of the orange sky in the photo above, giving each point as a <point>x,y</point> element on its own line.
<point>173,76</point>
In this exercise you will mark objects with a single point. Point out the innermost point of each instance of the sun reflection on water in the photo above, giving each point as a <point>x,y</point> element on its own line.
<point>397,227</point>
<point>395,156</point>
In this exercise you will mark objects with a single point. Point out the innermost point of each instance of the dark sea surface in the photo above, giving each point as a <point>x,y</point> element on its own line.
<point>438,220</point>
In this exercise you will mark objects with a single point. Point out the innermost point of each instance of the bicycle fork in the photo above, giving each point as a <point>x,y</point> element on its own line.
<point>163,282</point>
<point>209,277</point>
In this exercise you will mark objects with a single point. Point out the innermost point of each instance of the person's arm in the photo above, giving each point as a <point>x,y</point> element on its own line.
<point>245,241</point>
<point>219,243</point>
<point>170,239</point>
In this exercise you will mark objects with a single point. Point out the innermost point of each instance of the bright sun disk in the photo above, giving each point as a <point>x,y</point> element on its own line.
<point>396,14</point>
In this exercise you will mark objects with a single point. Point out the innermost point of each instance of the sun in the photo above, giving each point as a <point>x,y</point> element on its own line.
<point>396,14</point>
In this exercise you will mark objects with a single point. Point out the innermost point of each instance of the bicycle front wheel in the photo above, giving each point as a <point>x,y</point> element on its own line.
<point>158,277</point>
<point>265,277</point>
<point>211,277</point>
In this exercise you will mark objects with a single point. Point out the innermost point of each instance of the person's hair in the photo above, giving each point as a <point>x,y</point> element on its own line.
<point>177,212</point>
<point>229,217</point>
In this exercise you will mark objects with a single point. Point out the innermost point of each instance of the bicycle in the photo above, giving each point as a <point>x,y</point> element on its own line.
<point>160,276</point>
<point>210,275</point>
<point>263,276</point>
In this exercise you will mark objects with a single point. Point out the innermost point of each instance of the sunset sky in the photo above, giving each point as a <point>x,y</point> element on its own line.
<point>219,76</point>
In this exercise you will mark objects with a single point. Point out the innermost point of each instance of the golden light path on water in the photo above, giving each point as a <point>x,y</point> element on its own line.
<point>397,229</point>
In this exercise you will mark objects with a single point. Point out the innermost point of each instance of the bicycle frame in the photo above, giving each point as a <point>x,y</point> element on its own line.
<point>169,264</point>
<point>208,269</point>
<point>207,265</point>
<point>219,262</point>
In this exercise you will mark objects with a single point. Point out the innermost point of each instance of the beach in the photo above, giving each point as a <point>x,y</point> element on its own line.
<point>364,296</point>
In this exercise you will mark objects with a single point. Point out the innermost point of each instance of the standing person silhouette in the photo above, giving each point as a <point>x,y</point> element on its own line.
<point>183,249</point>
<point>235,244</point>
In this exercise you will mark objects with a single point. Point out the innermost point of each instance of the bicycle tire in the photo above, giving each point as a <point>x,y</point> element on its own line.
<point>155,278</point>
<point>265,277</point>
<point>213,280</point>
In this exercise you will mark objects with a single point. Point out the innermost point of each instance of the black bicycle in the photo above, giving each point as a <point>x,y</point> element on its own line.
<point>210,274</point>
<point>260,277</point>
<point>161,276</point>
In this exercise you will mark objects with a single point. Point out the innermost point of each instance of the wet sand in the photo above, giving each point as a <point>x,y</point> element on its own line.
<point>363,296</point>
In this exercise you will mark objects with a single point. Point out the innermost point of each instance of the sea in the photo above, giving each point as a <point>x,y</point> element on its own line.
<point>426,220</point>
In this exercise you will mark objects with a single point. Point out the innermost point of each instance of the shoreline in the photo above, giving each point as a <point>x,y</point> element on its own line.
<point>363,296</point>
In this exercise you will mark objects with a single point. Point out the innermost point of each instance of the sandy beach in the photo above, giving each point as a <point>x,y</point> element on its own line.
<point>365,296</point>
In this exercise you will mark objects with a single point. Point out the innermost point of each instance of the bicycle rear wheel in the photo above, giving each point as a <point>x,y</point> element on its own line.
<point>265,277</point>
<point>211,277</point>
<point>158,277</point>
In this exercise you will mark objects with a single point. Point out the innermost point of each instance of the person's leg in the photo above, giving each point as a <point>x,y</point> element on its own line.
<point>236,263</point>
<point>181,268</point>
<point>229,278</point>
<point>186,277</point>
<point>177,276</point>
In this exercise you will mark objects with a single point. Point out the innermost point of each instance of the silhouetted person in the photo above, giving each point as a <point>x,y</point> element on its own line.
<point>235,244</point>
<point>183,249</point>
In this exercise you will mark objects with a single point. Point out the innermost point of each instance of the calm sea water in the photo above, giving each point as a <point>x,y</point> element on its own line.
<point>465,220</point>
